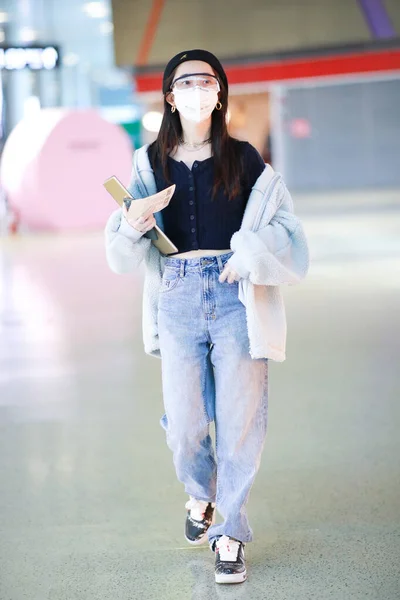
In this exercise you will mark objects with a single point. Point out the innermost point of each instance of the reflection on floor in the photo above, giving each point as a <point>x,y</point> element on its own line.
<point>89,505</point>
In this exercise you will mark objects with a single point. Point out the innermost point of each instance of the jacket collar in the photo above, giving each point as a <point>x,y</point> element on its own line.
<point>144,175</point>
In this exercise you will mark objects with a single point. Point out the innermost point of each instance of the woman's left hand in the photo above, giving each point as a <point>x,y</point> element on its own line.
<point>229,275</point>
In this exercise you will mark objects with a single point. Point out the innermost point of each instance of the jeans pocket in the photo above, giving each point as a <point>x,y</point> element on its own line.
<point>170,280</point>
<point>169,284</point>
<point>230,286</point>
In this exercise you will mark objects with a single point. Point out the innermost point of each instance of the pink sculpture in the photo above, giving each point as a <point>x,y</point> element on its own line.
<point>54,165</point>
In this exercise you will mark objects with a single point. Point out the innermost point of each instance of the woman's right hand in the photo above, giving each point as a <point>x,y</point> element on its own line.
<point>142,224</point>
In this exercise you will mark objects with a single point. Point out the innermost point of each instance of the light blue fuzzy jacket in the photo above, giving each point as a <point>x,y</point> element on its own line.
<point>270,249</point>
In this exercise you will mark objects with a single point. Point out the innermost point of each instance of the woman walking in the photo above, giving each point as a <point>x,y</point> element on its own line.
<point>213,311</point>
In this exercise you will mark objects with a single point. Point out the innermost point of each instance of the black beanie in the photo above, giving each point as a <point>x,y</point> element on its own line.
<point>186,55</point>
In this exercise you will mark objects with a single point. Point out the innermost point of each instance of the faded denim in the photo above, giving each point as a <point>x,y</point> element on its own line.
<point>208,375</point>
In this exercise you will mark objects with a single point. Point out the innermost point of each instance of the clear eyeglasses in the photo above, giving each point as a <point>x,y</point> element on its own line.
<point>205,81</point>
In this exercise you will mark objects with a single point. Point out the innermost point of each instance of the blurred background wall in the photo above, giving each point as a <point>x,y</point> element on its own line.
<point>85,75</point>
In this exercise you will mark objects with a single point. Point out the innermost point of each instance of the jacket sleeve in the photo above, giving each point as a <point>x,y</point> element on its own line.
<point>125,246</point>
<point>275,254</point>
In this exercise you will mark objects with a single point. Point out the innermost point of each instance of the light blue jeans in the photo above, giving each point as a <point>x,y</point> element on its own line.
<point>208,375</point>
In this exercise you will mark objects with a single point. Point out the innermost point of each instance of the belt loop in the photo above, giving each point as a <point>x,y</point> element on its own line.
<point>220,263</point>
<point>182,272</point>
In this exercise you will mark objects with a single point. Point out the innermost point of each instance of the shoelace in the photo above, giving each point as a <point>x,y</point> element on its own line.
<point>228,548</point>
<point>197,508</point>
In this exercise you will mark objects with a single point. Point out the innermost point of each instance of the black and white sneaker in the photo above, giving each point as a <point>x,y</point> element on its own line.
<point>229,561</point>
<point>199,519</point>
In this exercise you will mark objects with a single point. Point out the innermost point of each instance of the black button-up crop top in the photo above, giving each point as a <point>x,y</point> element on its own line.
<point>194,220</point>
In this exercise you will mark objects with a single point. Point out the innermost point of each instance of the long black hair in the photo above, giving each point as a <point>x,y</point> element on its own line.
<point>228,165</point>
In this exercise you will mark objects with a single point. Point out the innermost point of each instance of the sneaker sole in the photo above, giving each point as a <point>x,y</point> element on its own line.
<point>236,578</point>
<point>204,537</point>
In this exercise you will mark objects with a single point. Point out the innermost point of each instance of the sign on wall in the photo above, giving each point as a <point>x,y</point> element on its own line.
<point>13,58</point>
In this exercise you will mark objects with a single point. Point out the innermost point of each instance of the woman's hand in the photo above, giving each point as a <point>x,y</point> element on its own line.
<point>229,275</point>
<point>142,224</point>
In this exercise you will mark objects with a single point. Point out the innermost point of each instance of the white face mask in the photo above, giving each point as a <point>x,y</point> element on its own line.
<point>195,105</point>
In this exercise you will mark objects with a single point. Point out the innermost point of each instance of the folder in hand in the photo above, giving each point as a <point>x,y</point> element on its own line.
<point>144,207</point>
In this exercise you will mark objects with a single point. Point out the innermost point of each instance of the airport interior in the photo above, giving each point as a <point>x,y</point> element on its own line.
<point>90,504</point>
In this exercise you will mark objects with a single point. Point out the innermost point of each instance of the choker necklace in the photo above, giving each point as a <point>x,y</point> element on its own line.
<point>195,146</point>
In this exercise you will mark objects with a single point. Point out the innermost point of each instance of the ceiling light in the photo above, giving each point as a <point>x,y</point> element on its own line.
<point>152,121</point>
<point>3,17</point>
<point>70,59</point>
<point>106,28</point>
<point>27,34</point>
<point>96,10</point>
<point>49,57</point>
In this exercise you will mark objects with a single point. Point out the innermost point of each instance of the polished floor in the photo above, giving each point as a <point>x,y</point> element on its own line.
<point>89,505</point>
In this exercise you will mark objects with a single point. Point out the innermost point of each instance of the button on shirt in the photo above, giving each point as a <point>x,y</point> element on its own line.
<point>194,220</point>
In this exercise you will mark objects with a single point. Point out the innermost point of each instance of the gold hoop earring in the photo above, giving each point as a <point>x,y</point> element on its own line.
<point>218,107</point>
<point>173,108</point>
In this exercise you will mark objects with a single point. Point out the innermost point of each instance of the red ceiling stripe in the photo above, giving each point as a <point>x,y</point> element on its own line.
<point>150,32</point>
<point>368,62</point>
